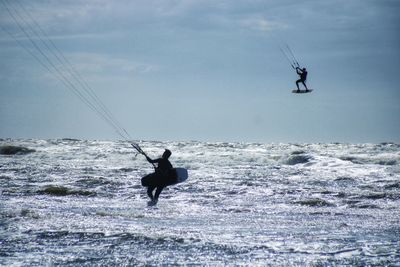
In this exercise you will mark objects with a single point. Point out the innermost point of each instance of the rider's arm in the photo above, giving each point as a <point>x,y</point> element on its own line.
<point>152,160</point>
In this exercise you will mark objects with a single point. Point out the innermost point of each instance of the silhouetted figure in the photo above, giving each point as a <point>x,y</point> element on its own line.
<point>160,178</point>
<point>303,77</point>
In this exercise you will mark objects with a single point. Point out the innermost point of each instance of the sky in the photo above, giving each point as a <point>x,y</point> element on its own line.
<point>205,70</point>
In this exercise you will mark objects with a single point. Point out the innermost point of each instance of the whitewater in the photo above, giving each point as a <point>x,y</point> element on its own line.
<point>80,203</point>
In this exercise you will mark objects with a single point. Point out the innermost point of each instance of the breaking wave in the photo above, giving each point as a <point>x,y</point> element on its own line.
<point>296,157</point>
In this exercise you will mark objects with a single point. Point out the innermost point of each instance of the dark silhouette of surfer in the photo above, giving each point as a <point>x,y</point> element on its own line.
<point>303,77</point>
<point>164,175</point>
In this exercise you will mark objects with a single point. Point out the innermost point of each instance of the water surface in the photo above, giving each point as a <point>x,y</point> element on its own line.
<point>78,202</point>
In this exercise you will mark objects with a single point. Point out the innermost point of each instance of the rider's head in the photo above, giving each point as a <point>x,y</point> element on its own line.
<point>167,154</point>
<point>304,69</point>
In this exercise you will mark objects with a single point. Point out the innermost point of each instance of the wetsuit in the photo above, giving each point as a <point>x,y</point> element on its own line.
<point>159,179</point>
<point>303,77</point>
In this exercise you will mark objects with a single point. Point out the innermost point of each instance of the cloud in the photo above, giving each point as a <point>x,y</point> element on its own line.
<point>91,19</point>
<point>99,64</point>
<point>261,24</point>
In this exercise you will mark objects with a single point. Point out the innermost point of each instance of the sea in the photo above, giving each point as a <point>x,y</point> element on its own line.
<point>69,202</point>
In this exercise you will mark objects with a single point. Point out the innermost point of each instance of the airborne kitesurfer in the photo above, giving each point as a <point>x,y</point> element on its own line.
<point>303,77</point>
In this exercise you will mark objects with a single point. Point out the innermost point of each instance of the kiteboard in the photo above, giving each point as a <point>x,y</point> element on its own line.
<point>181,175</point>
<point>176,176</point>
<point>295,91</point>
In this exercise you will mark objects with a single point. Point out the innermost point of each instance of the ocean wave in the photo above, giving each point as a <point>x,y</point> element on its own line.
<point>395,185</point>
<point>295,159</point>
<point>389,144</point>
<point>70,140</point>
<point>354,160</point>
<point>64,234</point>
<point>385,160</point>
<point>364,206</point>
<point>5,177</point>
<point>125,169</point>
<point>15,150</point>
<point>345,179</point>
<point>16,213</point>
<point>93,181</point>
<point>381,195</point>
<point>315,202</point>
<point>64,191</point>
<point>82,197</point>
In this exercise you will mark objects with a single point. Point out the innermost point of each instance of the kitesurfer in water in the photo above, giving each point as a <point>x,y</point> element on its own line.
<point>160,178</point>
<point>303,77</point>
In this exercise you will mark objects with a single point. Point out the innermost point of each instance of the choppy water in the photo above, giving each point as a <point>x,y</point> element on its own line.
<point>76,202</point>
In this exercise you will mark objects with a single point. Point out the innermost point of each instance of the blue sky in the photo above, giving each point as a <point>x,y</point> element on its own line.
<point>208,70</point>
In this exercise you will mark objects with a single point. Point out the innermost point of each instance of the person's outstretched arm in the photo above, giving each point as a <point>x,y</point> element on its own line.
<point>152,160</point>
